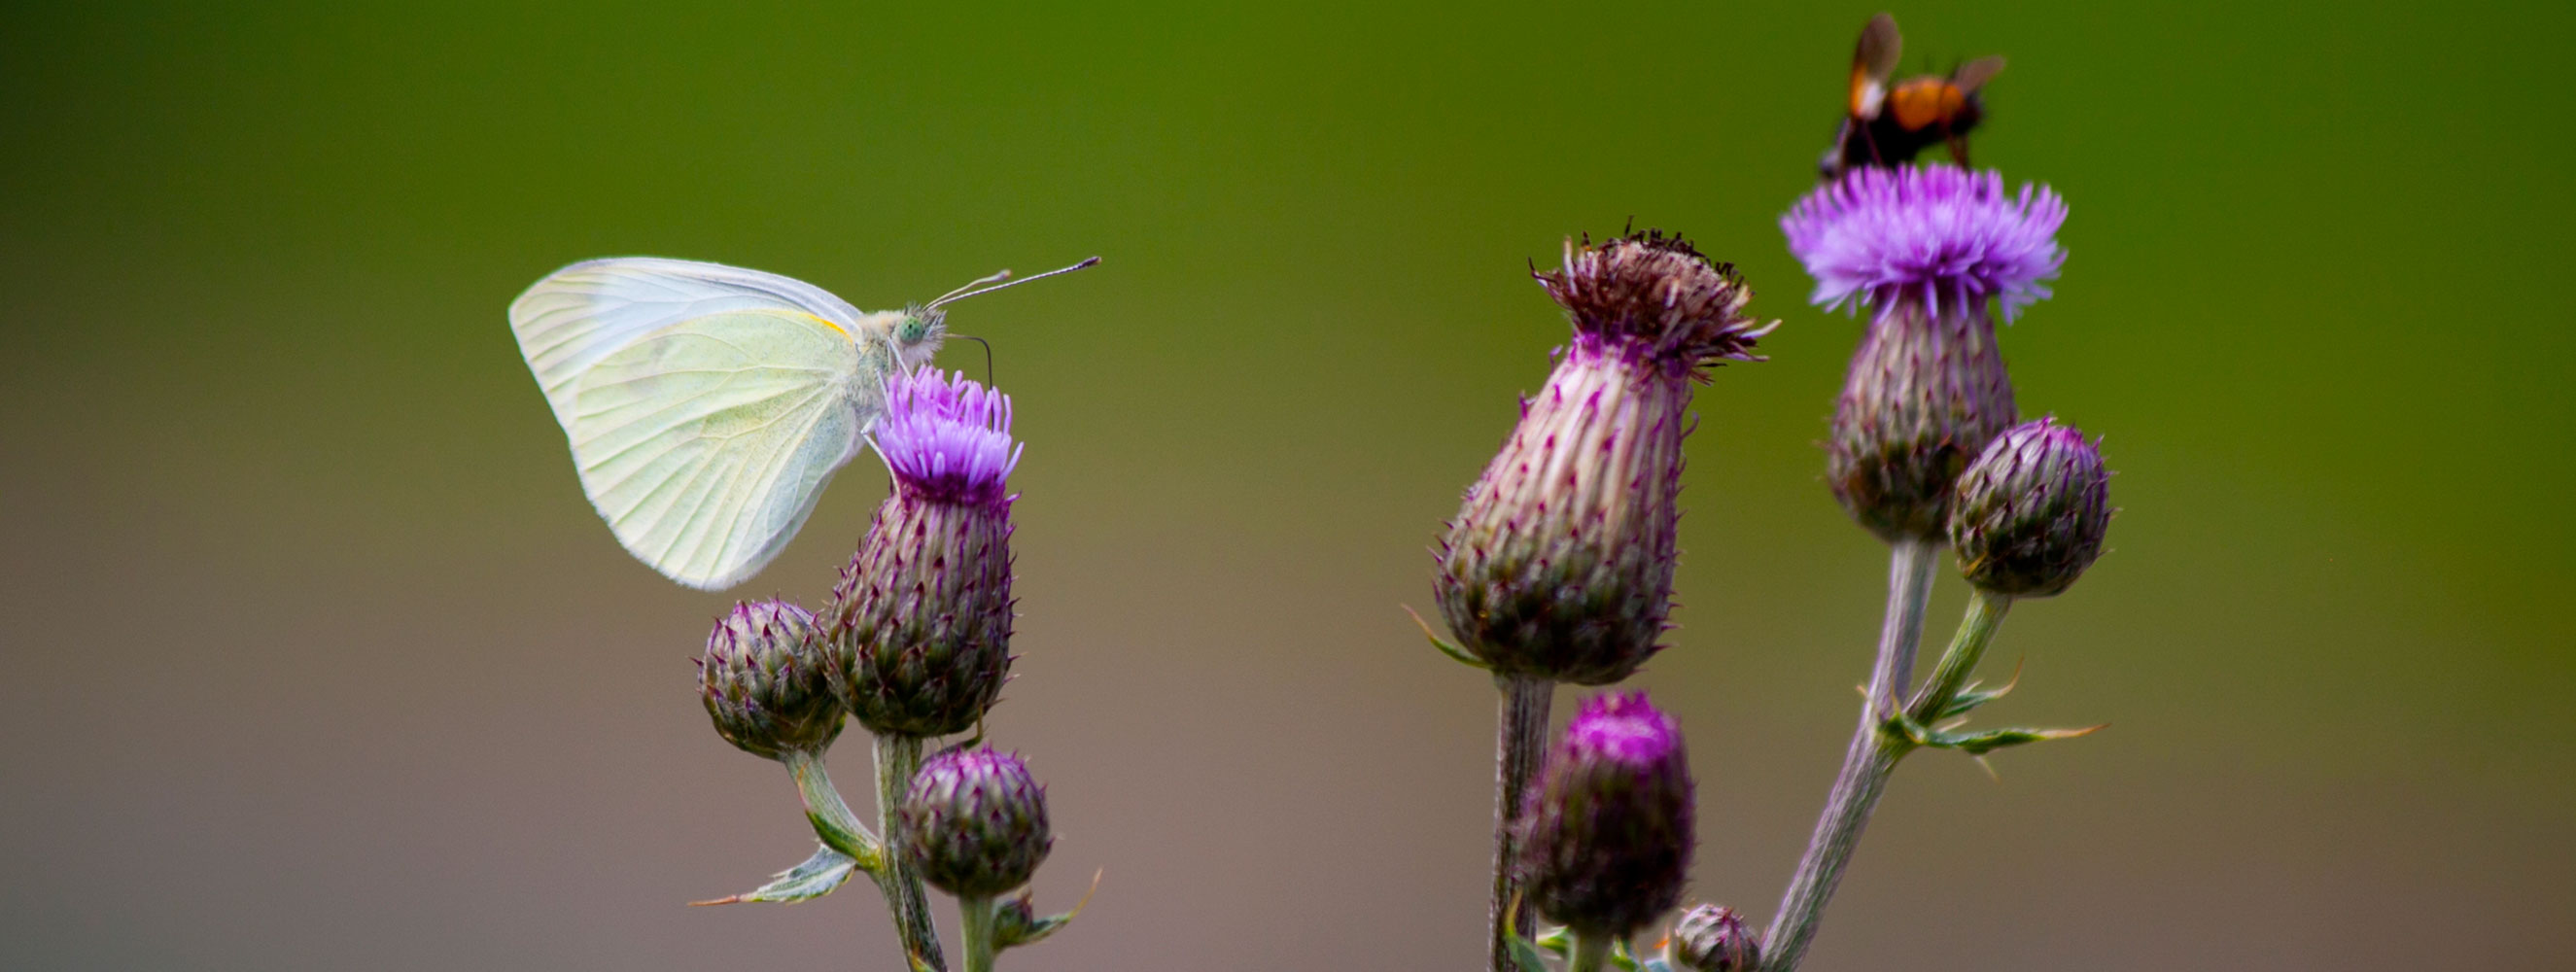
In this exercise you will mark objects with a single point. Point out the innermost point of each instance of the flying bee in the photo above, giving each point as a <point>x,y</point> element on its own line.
<point>1886,124</point>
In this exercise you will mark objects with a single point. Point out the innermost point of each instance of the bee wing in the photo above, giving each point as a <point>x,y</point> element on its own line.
<point>1974,74</point>
<point>705,443</point>
<point>585,312</point>
<point>1873,62</point>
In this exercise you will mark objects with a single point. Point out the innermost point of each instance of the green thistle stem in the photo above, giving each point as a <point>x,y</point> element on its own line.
<point>898,758</point>
<point>1866,764</point>
<point>975,916</point>
<point>1520,735</point>
<point>1591,952</point>
<point>833,822</point>
<point>1985,614</point>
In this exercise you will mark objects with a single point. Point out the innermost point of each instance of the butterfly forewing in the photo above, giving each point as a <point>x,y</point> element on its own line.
<point>582,313</point>
<point>705,443</point>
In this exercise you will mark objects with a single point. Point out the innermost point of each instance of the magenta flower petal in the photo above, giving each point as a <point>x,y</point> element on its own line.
<point>1935,234</point>
<point>946,437</point>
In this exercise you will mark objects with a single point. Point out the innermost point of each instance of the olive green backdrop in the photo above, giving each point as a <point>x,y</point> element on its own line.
<point>315,657</point>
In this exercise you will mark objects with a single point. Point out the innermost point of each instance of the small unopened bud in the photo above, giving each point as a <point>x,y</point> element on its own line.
<point>1560,561</point>
<point>2032,510</point>
<point>975,822</point>
<point>1606,839</point>
<point>763,683</point>
<point>1709,938</point>
<point>1936,253</point>
<point>921,625</point>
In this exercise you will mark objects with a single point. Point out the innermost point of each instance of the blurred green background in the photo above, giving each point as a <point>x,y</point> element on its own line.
<point>315,657</point>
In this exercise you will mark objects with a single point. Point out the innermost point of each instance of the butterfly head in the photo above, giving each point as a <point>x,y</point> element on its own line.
<point>918,334</point>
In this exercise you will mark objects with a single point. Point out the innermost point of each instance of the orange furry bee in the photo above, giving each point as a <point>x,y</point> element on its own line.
<point>1888,124</point>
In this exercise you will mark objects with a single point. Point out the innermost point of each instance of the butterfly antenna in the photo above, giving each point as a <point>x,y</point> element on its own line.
<point>967,291</point>
<point>997,277</point>
<point>988,355</point>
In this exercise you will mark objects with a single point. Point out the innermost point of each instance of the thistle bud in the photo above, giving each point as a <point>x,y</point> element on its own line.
<point>1937,253</point>
<point>763,683</point>
<point>2032,511</point>
<point>1606,838</point>
<point>921,626</point>
<point>975,822</point>
<point>1560,561</point>
<point>1709,938</point>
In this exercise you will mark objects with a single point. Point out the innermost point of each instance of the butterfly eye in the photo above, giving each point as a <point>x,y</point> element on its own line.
<point>911,331</point>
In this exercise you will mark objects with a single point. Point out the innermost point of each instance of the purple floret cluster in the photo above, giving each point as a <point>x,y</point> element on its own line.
<point>1946,238</point>
<point>947,437</point>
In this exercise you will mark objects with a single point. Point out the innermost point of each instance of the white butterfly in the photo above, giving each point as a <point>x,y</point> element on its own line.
<point>708,405</point>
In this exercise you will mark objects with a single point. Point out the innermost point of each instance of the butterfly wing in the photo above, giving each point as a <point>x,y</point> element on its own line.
<point>583,313</point>
<point>706,405</point>
<point>705,443</point>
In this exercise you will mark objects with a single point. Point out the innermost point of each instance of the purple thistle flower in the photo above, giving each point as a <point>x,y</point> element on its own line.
<point>1710,938</point>
<point>2032,510</point>
<point>764,684</point>
<point>975,822</point>
<point>946,437</point>
<point>1935,251</point>
<point>1559,564</point>
<point>1607,832</point>
<point>1937,235</point>
<point>920,623</point>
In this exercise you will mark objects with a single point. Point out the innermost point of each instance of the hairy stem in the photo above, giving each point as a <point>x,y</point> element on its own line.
<point>1866,763</point>
<point>898,758</point>
<point>1519,734</point>
<point>1590,953</point>
<point>1985,615</point>
<point>975,916</point>
<point>833,822</point>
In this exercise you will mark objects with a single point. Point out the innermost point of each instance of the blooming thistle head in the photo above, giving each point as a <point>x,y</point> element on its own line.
<point>2032,511</point>
<point>1606,832</point>
<point>1655,298</point>
<point>763,681</point>
<point>1560,561</point>
<point>1935,236</point>
<point>921,625</point>
<point>1709,938</point>
<point>975,822</point>
<point>1935,252</point>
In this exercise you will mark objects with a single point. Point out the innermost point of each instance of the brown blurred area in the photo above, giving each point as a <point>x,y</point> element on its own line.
<point>315,658</point>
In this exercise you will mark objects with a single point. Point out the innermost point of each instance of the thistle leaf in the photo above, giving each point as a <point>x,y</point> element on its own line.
<point>1974,695</point>
<point>1557,941</point>
<point>814,878</point>
<point>1981,743</point>
<point>1447,647</point>
<point>1016,924</point>
<point>1620,957</point>
<point>1527,955</point>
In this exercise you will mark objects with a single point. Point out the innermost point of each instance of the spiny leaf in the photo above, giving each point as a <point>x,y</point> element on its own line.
<point>1557,941</point>
<point>1016,927</point>
<point>1981,743</point>
<point>1619,956</point>
<point>1447,647</point>
<point>814,878</point>
<point>1974,695</point>
<point>1526,955</point>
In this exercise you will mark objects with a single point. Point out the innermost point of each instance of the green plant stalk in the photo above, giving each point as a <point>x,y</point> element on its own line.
<point>833,822</point>
<point>1871,756</point>
<point>1986,611</point>
<point>975,918</point>
<point>1591,952</point>
<point>898,758</point>
<point>1520,733</point>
